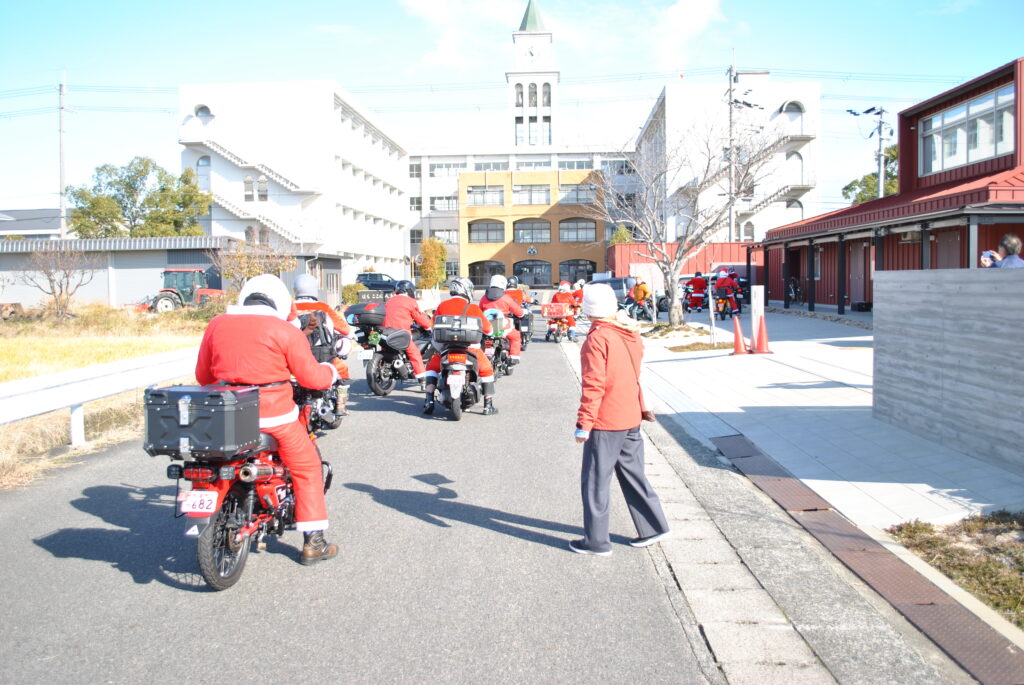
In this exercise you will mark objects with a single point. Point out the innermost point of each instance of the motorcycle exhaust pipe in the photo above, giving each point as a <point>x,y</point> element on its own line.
<point>250,472</point>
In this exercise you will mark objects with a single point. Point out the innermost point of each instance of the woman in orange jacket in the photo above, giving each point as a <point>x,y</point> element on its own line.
<point>608,426</point>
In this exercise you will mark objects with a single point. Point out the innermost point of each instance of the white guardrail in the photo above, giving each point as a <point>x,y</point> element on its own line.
<point>29,397</point>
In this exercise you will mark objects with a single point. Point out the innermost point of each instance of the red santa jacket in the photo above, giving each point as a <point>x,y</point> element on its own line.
<point>505,304</point>
<point>611,398</point>
<point>566,298</point>
<point>400,311</point>
<point>519,296</point>
<point>339,322</point>
<point>251,346</point>
<point>698,283</point>
<point>728,283</point>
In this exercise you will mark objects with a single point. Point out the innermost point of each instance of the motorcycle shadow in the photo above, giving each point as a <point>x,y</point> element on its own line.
<point>440,507</point>
<point>148,542</point>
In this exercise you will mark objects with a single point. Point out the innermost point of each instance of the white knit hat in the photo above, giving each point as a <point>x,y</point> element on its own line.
<point>599,301</point>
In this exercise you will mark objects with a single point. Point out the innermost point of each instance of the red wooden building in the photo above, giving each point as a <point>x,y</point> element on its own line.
<point>961,179</point>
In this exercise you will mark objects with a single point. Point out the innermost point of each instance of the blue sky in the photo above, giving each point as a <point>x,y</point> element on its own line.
<point>406,60</point>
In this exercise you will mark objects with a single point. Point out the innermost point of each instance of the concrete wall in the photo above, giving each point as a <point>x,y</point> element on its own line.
<point>948,358</point>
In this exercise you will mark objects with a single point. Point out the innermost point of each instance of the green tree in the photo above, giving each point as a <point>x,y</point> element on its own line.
<point>622,234</point>
<point>432,272</point>
<point>866,187</point>
<point>141,199</point>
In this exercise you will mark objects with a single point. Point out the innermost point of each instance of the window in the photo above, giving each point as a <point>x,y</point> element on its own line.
<point>248,188</point>
<point>262,192</point>
<point>520,132</point>
<point>250,234</point>
<point>532,231</point>
<point>519,95</point>
<point>577,194</point>
<point>534,131</point>
<point>416,204</point>
<point>415,236</point>
<point>577,231</point>
<point>797,205</point>
<point>545,131</point>
<point>617,167</point>
<point>576,164</point>
<point>203,111</point>
<point>967,133</point>
<point>486,196</point>
<point>792,107</point>
<point>817,262</point>
<point>481,272</point>
<point>446,236</point>
<point>533,165</point>
<point>531,195</point>
<point>487,232</point>
<point>575,269</point>
<point>491,166</point>
<point>748,231</point>
<point>446,169</point>
<point>451,269</point>
<point>415,170</point>
<point>620,202</point>
<point>264,236</point>
<point>203,161</point>
<point>444,203</point>
<point>533,272</point>
<point>533,95</point>
<point>547,95</point>
<point>610,228</point>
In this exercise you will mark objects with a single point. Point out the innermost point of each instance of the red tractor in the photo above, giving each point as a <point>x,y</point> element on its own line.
<point>186,288</point>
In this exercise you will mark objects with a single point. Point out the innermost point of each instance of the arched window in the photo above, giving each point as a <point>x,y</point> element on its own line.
<point>793,107</point>
<point>203,111</point>
<point>796,206</point>
<point>262,192</point>
<point>480,272</point>
<point>577,231</point>
<point>748,232</point>
<point>487,231</point>
<point>547,95</point>
<point>248,186</point>
<point>532,231</point>
<point>250,235</point>
<point>573,270</point>
<point>519,95</point>
<point>264,236</point>
<point>533,95</point>
<point>203,161</point>
<point>533,272</point>
<point>795,168</point>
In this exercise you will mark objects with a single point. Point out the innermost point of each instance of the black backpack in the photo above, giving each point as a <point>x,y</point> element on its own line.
<point>323,337</point>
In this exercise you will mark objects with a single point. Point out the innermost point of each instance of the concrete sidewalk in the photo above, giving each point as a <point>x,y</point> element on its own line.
<point>808,406</point>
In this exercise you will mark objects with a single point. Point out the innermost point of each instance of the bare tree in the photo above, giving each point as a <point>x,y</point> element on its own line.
<point>59,272</point>
<point>676,196</point>
<point>241,261</point>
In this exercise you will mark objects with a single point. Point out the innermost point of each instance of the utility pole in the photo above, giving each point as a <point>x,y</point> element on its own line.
<point>880,155</point>
<point>60,125</point>
<point>734,75</point>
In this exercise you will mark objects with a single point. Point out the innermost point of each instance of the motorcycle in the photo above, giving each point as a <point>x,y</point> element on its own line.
<point>497,346</point>
<point>240,490</point>
<point>327,407</point>
<point>459,381</point>
<point>557,314</point>
<point>524,324</point>
<point>384,348</point>
<point>723,308</point>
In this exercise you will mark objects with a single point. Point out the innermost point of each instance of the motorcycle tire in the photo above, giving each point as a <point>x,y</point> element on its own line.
<point>221,559</point>
<point>375,370</point>
<point>456,409</point>
<point>336,423</point>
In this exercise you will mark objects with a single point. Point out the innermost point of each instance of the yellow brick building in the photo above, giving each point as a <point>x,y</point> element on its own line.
<point>532,224</point>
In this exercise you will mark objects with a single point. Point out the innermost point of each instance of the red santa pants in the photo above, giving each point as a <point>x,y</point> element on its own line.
<point>300,456</point>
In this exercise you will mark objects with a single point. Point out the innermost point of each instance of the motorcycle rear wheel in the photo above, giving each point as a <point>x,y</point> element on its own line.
<point>221,559</point>
<point>375,376</point>
<point>456,409</point>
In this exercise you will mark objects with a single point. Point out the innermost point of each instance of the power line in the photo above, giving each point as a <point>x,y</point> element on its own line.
<point>23,92</point>
<point>11,114</point>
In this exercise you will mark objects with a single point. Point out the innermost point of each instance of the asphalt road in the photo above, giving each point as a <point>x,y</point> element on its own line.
<point>454,566</point>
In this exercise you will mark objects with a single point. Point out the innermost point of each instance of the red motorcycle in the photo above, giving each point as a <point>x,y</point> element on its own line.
<point>235,482</point>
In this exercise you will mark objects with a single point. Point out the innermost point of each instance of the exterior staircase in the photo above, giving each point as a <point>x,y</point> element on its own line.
<point>258,218</point>
<point>238,161</point>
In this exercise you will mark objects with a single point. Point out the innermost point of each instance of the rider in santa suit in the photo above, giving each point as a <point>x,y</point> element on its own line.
<point>496,297</point>
<point>306,299</point>
<point>565,296</point>
<point>253,344</point>
<point>402,311</point>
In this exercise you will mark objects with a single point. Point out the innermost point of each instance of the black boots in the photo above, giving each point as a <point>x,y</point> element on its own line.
<point>428,403</point>
<point>489,407</point>
<point>316,548</point>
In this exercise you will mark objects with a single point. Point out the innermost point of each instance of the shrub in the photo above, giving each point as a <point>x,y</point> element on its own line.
<point>350,293</point>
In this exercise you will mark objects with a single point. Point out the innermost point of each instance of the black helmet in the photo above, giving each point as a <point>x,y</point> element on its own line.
<point>406,286</point>
<point>513,282</point>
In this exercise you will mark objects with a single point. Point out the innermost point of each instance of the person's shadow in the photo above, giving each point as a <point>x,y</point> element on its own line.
<point>437,508</point>
<point>148,542</point>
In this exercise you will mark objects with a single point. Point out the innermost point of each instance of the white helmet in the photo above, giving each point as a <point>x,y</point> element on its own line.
<point>579,284</point>
<point>305,285</point>
<point>461,286</point>
<point>564,287</point>
<point>267,290</point>
<point>499,281</point>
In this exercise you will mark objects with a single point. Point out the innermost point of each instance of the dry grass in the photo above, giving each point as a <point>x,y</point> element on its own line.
<point>663,330</point>
<point>700,347</point>
<point>982,554</point>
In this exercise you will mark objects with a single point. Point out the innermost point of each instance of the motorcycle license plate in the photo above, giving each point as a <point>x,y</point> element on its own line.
<point>365,354</point>
<point>198,502</point>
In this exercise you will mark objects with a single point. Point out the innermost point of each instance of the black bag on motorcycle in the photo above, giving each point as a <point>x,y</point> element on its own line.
<point>396,338</point>
<point>450,328</point>
<point>366,314</point>
<point>201,421</point>
<point>323,337</point>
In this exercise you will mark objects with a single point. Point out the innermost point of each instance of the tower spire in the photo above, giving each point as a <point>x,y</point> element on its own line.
<point>532,20</point>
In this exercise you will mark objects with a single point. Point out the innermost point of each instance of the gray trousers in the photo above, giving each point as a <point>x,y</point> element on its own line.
<point>621,452</point>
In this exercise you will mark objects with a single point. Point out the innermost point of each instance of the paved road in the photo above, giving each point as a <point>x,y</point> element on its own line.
<point>453,567</point>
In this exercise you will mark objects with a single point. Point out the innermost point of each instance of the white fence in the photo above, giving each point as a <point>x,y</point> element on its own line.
<point>28,397</point>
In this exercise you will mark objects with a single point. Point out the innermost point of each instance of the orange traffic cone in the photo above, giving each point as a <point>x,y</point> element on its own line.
<point>761,344</point>
<point>738,345</point>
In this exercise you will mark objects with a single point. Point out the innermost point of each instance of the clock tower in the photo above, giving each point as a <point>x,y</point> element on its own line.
<point>533,84</point>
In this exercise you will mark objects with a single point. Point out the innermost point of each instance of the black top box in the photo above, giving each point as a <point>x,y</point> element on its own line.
<point>210,422</point>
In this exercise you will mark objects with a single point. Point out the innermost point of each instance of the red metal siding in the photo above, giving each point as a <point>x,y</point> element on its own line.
<point>622,255</point>
<point>899,256</point>
<point>775,289</point>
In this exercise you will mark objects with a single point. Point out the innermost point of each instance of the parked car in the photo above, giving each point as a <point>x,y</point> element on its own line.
<point>621,286</point>
<point>376,281</point>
